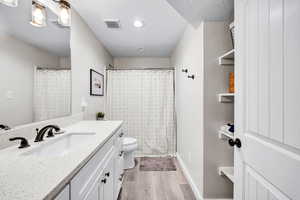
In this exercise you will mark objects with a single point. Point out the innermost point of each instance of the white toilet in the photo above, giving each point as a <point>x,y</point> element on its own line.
<point>129,146</point>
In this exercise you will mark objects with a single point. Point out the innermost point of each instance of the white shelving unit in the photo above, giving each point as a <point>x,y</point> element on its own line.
<point>227,172</point>
<point>227,58</point>
<point>225,135</point>
<point>226,97</point>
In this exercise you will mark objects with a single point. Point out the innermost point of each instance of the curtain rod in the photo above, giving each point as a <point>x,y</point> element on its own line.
<point>52,68</point>
<point>112,69</point>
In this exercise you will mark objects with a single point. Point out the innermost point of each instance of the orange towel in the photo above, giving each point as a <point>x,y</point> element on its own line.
<point>231,82</point>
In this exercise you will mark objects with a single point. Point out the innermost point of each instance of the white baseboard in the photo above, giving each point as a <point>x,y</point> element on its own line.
<point>189,178</point>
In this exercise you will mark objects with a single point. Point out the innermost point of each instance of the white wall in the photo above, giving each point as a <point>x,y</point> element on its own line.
<point>146,62</point>
<point>65,62</point>
<point>17,61</point>
<point>217,152</point>
<point>86,53</point>
<point>189,102</point>
<point>199,114</point>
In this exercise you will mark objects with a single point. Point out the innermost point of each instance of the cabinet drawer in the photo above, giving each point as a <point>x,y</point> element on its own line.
<point>87,176</point>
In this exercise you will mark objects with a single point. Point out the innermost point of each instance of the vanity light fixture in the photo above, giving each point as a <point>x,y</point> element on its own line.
<point>138,23</point>
<point>64,17</point>
<point>38,15</point>
<point>11,3</point>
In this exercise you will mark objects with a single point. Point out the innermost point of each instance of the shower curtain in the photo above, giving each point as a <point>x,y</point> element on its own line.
<point>52,93</point>
<point>144,100</point>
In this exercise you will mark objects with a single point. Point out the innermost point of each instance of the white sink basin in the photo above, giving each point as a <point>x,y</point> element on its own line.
<point>61,146</point>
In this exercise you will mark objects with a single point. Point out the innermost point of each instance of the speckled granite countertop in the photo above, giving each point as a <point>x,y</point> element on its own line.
<point>30,177</point>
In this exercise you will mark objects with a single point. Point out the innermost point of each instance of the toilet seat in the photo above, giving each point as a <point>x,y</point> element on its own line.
<point>129,141</point>
<point>129,144</point>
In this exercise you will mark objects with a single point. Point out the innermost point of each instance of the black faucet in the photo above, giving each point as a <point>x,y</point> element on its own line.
<point>40,134</point>
<point>24,143</point>
<point>4,127</point>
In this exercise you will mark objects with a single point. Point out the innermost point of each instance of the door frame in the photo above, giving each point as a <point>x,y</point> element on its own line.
<point>239,168</point>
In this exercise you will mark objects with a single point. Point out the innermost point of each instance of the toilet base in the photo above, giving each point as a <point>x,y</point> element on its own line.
<point>129,160</point>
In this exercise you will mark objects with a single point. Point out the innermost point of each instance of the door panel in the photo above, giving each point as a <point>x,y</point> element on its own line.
<point>257,188</point>
<point>292,72</point>
<point>267,107</point>
<point>275,163</point>
<point>276,69</point>
<point>252,66</point>
<point>264,97</point>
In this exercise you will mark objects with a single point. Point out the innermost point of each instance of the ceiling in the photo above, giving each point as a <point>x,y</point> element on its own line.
<point>162,30</point>
<point>165,21</point>
<point>195,11</point>
<point>15,21</point>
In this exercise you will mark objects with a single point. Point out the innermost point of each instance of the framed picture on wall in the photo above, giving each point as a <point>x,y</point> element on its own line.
<point>96,83</point>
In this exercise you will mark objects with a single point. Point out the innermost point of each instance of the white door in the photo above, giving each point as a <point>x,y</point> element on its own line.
<point>267,111</point>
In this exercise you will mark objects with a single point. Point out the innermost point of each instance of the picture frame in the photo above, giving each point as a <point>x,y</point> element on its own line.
<point>232,33</point>
<point>96,83</point>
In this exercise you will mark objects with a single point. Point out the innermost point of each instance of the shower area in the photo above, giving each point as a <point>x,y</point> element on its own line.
<point>52,93</point>
<point>144,100</point>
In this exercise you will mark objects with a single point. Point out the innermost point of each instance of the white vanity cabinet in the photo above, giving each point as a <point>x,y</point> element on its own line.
<point>103,187</point>
<point>95,192</point>
<point>64,194</point>
<point>108,180</point>
<point>119,164</point>
<point>100,179</point>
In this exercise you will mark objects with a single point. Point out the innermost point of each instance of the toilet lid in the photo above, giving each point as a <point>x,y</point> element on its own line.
<point>129,140</point>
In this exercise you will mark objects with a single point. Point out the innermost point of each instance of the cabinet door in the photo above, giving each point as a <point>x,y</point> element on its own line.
<point>108,190</point>
<point>97,191</point>
<point>94,193</point>
<point>119,170</point>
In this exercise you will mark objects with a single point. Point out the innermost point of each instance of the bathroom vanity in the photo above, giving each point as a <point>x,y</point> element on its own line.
<point>84,163</point>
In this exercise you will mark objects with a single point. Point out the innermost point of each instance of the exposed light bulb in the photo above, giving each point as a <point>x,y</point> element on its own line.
<point>138,23</point>
<point>38,14</point>
<point>64,17</point>
<point>11,3</point>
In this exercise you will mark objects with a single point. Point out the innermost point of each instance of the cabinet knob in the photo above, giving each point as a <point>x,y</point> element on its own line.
<point>103,180</point>
<point>121,177</point>
<point>107,174</point>
<point>237,142</point>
